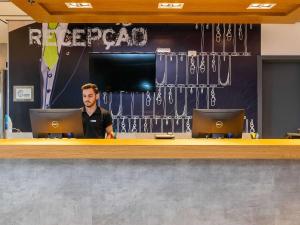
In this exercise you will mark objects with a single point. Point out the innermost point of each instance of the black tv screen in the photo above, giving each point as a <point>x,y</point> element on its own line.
<point>134,72</point>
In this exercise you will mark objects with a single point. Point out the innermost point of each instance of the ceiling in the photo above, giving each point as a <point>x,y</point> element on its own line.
<point>146,11</point>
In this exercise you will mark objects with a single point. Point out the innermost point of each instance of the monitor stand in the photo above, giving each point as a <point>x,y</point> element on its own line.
<point>218,136</point>
<point>53,135</point>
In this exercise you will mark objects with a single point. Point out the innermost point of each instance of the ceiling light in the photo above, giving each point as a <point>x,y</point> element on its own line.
<point>85,4</point>
<point>177,5</point>
<point>166,5</point>
<point>78,5</point>
<point>268,5</point>
<point>256,5</point>
<point>261,6</point>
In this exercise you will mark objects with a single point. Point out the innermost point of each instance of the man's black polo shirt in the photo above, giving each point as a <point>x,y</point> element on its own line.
<point>94,125</point>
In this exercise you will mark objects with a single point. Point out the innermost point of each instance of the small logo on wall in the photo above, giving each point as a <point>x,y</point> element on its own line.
<point>55,124</point>
<point>219,124</point>
<point>23,93</point>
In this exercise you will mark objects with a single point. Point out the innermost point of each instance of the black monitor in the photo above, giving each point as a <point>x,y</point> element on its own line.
<point>56,123</point>
<point>114,72</point>
<point>218,123</point>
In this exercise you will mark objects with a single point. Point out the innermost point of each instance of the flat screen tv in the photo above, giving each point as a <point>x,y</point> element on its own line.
<point>132,72</point>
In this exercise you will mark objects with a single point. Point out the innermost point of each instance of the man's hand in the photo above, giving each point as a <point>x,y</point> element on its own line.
<point>110,136</point>
<point>109,132</point>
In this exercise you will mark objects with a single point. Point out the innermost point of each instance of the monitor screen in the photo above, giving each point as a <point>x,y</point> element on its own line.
<point>112,72</point>
<point>56,123</point>
<point>227,123</point>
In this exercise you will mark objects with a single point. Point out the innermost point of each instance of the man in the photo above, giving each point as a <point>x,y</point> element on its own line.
<point>97,122</point>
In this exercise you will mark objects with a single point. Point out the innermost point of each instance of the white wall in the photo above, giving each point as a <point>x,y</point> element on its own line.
<point>3,44</point>
<point>3,55</point>
<point>9,12</point>
<point>3,32</point>
<point>280,39</point>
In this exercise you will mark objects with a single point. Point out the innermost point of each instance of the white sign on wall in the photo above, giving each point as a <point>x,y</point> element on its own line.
<point>23,93</point>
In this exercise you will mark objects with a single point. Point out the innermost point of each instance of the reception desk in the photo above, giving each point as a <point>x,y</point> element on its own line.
<point>150,149</point>
<point>151,182</point>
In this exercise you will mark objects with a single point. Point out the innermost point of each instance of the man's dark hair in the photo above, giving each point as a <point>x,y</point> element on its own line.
<point>90,85</point>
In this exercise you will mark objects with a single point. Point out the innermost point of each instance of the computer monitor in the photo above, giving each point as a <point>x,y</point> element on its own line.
<point>218,123</point>
<point>56,123</point>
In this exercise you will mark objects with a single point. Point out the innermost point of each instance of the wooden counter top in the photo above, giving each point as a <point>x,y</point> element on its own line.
<point>150,149</point>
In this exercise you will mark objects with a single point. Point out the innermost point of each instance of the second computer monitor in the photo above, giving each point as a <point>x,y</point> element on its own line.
<point>226,123</point>
<point>56,123</point>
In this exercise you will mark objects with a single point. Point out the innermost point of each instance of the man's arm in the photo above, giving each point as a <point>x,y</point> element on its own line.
<point>109,132</point>
<point>107,122</point>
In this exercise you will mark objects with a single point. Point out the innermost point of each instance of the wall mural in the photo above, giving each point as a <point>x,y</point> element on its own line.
<point>198,66</point>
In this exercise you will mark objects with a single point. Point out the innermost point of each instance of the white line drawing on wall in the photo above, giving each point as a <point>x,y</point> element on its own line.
<point>199,70</point>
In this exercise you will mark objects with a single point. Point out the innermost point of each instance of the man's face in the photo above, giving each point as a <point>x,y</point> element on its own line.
<point>89,97</point>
